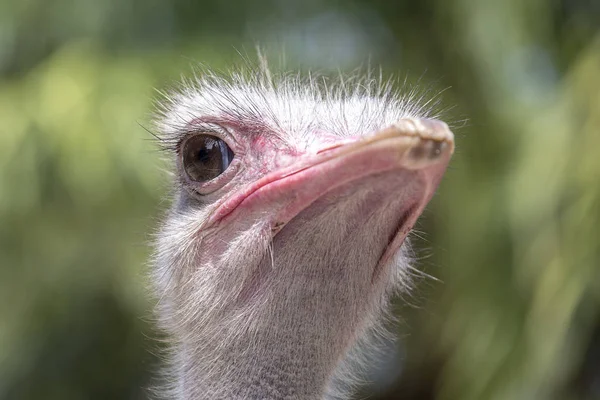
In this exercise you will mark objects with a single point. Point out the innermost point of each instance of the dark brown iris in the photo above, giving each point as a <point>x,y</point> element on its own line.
<point>205,157</point>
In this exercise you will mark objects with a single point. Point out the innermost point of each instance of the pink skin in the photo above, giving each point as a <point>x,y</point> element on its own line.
<point>422,147</point>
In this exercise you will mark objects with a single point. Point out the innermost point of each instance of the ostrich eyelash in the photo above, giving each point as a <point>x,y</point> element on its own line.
<point>173,143</point>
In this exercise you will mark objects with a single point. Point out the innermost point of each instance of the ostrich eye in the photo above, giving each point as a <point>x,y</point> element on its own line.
<point>205,157</point>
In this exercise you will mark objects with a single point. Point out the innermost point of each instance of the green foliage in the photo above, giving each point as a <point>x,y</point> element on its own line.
<point>513,232</point>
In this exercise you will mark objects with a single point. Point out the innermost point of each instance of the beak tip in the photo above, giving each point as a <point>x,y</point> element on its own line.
<point>433,142</point>
<point>425,128</point>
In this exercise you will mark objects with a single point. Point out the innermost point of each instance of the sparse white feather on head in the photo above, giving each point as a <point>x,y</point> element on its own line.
<point>270,276</point>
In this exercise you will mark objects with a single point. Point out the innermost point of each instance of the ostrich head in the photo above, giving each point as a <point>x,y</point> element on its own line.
<point>287,234</point>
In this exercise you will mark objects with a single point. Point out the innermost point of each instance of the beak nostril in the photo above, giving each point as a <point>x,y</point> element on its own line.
<point>437,149</point>
<point>427,150</point>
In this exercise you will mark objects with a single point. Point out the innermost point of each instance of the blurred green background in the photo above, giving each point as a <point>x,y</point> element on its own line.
<point>512,235</point>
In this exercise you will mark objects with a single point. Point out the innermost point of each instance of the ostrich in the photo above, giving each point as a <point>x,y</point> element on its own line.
<point>286,238</point>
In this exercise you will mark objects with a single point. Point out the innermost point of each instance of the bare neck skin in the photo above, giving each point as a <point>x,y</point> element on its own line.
<point>282,252</point>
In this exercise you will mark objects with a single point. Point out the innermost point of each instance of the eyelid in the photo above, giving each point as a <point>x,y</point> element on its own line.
<point>207,128</point>
<point>212,128</point>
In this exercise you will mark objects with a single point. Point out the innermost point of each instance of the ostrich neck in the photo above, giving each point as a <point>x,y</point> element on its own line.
<point>303,307</point>
<point>284,359</point>
<point>308,308</point>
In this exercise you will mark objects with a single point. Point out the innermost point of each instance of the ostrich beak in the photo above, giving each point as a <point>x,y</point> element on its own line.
<point>421,146</point>
<point>415,151</point>
<point>418,148</point>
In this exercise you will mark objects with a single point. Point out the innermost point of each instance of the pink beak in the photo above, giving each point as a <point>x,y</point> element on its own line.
<point>421,147</point>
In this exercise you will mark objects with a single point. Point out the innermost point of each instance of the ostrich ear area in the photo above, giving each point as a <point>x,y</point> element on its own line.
<point>417,150</point>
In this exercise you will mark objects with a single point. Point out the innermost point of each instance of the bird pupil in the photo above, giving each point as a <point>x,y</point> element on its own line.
<point>203,155</point>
